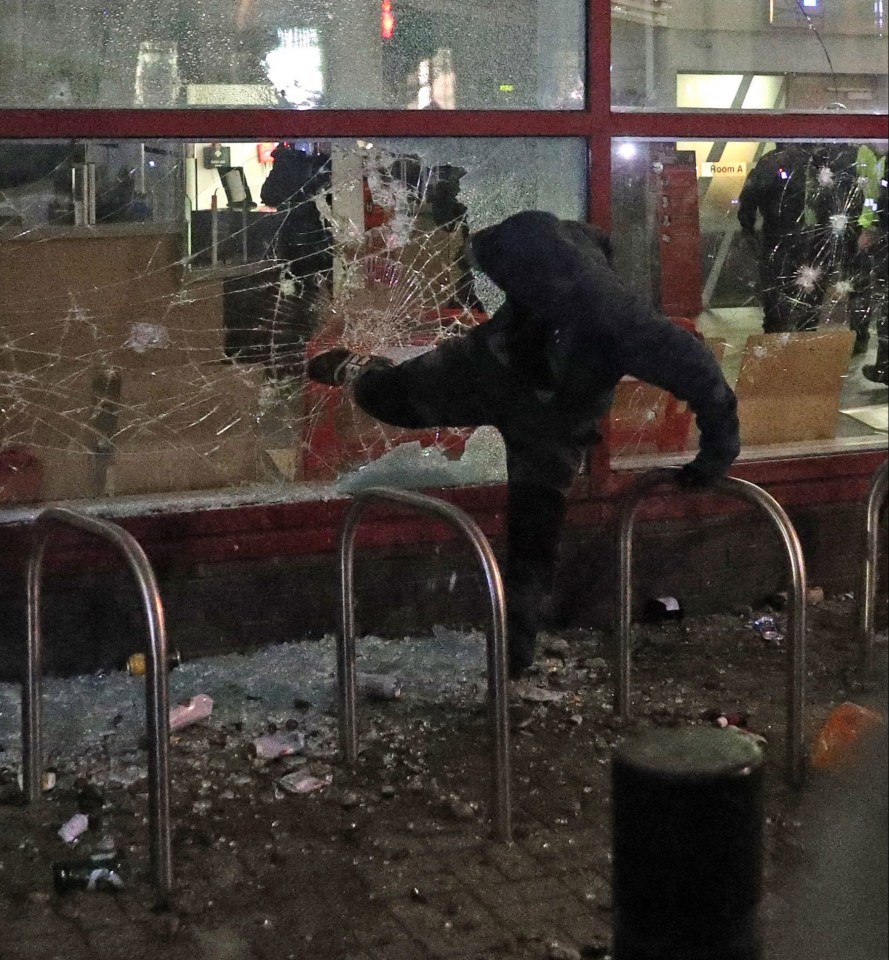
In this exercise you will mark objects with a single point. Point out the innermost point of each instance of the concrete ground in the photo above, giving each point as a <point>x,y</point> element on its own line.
<point>396,861</point>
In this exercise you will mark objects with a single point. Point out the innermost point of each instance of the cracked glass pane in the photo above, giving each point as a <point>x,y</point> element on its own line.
<point>333,54</point>
<point>706,54</point>
<point>159,300</point>
<point>775,254</point>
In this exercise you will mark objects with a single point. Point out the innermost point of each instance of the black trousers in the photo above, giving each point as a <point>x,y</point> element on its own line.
<point>787,304</point>
<point>469,382</point>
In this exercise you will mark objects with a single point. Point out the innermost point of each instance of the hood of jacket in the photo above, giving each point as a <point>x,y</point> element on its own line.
<point>534,257</point>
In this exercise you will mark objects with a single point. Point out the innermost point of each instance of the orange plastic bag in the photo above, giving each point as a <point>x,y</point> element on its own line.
<point>837,743</point>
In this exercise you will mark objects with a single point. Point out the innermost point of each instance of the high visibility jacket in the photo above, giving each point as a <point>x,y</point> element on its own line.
<point>871,170</point>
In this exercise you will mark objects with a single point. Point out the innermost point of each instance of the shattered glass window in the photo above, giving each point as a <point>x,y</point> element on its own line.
<point>706,54</point>
<point>159,300</point>
<point>311,54</point>
<point>776,255</point>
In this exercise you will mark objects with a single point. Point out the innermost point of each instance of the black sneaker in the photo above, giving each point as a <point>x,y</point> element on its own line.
<point>339,366</point>
<point>875,373</point>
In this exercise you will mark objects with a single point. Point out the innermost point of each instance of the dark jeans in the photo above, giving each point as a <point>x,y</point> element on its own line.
<point>466,383</point>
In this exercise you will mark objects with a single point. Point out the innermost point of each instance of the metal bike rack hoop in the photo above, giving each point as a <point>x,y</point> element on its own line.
<point>157,692</point>
<point>497,701</point>
<point>796,619</point>
<point>867,599</point>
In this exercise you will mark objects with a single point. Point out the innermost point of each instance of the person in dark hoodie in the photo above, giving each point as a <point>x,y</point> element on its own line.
<point>542,371</point>
<point>792,285</point>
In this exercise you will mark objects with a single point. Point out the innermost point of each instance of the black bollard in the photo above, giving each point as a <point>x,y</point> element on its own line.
<point>687,846</point>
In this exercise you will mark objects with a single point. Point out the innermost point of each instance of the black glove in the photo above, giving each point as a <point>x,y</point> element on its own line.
<point>697,474</point>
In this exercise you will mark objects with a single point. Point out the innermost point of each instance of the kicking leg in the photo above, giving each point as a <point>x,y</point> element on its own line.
<point>441,388</point>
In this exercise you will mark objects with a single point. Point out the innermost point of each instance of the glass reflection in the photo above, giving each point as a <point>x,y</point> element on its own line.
<point>336,54</point>
<point>704,54</point>
<point>158,302</point>
<point>776,254</point>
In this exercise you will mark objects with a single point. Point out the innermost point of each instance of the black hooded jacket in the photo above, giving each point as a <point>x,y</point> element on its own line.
<point>776,190</point>
<point>576,330</point>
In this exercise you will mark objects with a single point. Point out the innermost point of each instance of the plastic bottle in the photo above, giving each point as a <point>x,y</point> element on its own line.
<point>838,740</point>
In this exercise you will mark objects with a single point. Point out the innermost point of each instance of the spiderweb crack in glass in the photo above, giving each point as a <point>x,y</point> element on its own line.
<point>116,350</point>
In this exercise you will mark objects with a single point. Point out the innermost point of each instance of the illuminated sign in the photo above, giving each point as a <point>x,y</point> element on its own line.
<point>718,169</point>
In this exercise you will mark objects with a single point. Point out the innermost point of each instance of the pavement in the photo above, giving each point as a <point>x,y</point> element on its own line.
<point>297,857</point>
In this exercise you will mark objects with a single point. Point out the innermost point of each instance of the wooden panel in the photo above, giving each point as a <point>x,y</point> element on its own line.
<point>789,385</point>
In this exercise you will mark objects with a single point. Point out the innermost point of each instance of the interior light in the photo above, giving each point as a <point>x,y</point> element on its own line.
<point>387,20</point>
<point>627,151</point>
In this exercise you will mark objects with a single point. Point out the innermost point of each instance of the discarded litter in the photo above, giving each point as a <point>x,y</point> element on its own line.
<point>663,608</point>
<point>137,663</point>
<point>72,828</point>
<point>534,694</point>
<point>301,781</point>
<point>767,628</point>
<point>379,686</point>
<point>101,871</point>
<point>720,719</point>
<point>274,745</point>
<point>814,596</point>
<point>192,711</point>
<point>12,785</point>
<point>736,723</point>
<point>839,740</point>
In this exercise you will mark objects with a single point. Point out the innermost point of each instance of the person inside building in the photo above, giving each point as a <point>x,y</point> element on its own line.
<point>870,298</point>
<point>542,371</point>
<point>303,240</point>
<point>792,285</point>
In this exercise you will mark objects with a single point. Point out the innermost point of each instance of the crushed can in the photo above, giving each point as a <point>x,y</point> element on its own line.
<point>100,872</point>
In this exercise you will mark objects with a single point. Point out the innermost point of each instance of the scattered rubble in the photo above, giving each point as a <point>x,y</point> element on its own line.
<point>257,792</point>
